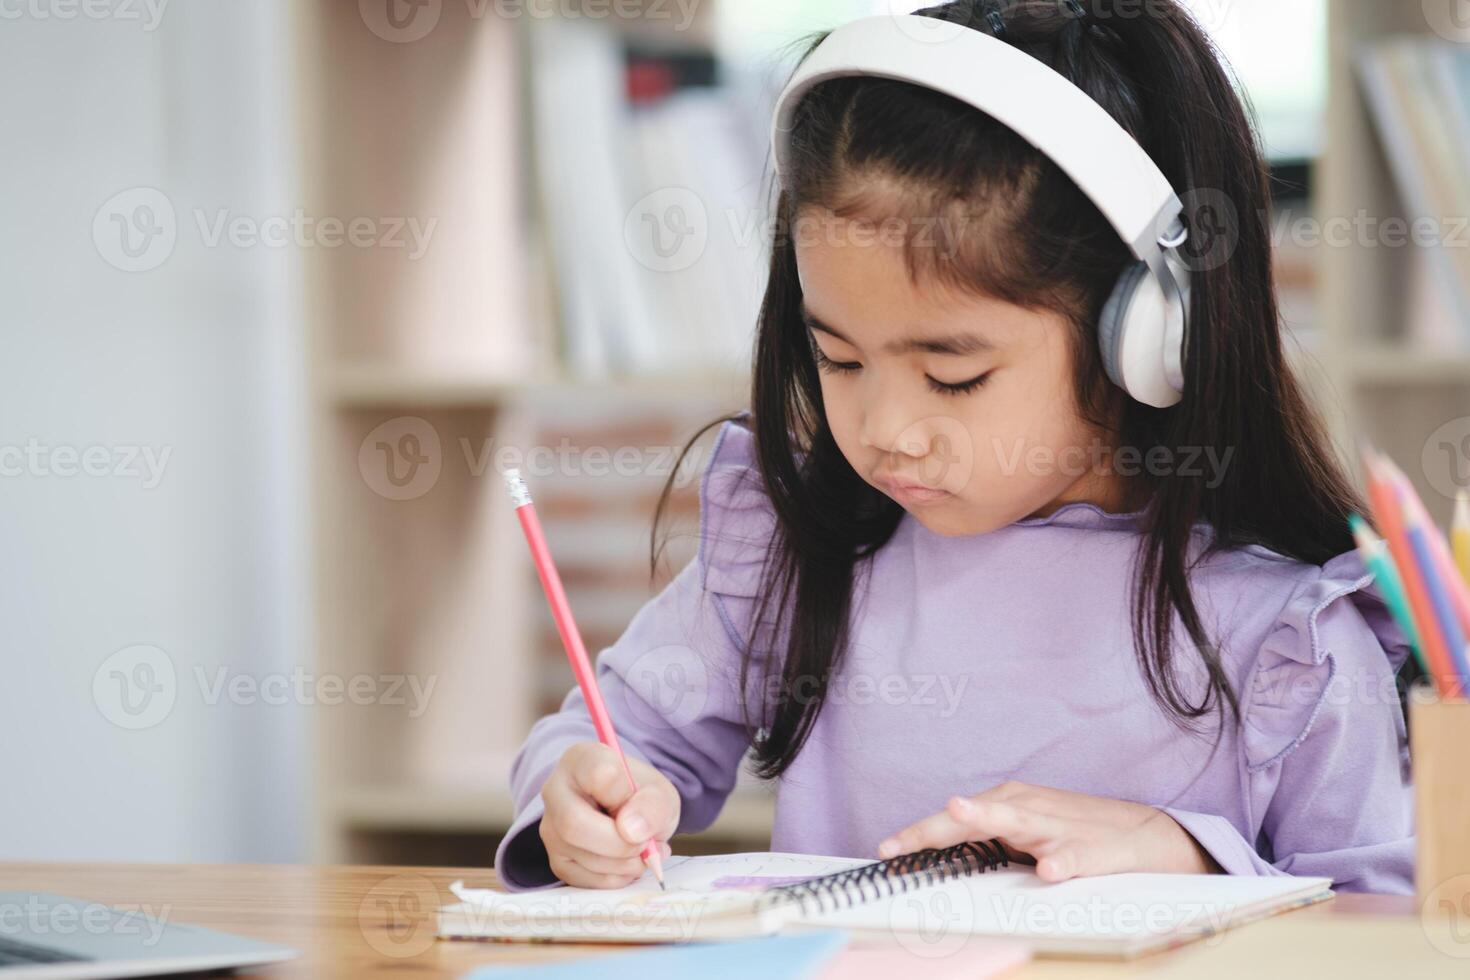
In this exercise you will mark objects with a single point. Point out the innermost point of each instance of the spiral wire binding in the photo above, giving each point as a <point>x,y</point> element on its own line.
<point>845,889</point>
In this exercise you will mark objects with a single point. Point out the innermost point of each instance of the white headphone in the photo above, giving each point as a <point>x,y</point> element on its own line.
<point>1142,327</point>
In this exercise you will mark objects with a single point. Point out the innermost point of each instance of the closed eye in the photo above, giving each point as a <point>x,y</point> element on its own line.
<point>959,387</point>
<point>826,363</point>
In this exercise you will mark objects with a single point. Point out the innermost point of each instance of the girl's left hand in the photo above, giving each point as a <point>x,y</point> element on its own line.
<point>1067,834</point>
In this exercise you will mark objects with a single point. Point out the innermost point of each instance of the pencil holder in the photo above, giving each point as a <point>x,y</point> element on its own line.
<point>1439,740</point>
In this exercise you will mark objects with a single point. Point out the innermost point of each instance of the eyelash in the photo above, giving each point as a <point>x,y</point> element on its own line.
<point>825,363</point>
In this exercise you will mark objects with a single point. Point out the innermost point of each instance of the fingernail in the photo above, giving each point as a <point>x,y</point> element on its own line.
<point>963,805</point>
<point>635,827</point>
<point>888,848</point>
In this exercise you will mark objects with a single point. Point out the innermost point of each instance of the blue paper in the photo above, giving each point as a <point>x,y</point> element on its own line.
<point>795,957</point>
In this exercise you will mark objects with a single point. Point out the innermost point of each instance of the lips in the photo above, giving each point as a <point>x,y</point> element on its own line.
<point>910,492</point>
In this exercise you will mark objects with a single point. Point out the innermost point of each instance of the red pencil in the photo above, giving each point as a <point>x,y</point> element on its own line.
<point>571,639</point>
<point>1391,526</point>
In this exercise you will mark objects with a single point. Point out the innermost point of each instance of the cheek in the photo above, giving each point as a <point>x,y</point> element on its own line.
<point>1021,425</point>
<point>843,418</point>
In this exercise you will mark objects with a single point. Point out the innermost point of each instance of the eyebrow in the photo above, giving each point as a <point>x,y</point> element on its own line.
<point>957,344</point>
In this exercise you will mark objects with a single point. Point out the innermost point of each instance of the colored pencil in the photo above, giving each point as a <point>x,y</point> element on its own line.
<point>1448,593</point>
<point>1460,534</point>
<point>1374,553</point>
<point>1391,525</point>
<point>1443,563</point>
<point>571,639</point>
<point>1439,600</point>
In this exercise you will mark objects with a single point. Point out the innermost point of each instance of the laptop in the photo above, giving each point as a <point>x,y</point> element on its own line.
<point>61,938</point>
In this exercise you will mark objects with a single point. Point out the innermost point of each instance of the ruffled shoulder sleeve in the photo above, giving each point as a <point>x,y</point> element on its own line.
<point>1334,642</point>
<point>736,519</point>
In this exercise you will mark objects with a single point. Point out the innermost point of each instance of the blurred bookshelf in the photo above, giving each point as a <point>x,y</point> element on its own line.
<point>1395,334</point>
<point>476,347</point>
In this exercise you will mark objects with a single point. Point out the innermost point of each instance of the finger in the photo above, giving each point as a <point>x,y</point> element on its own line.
<point>1072,860</point>
<point>602,864</point>
<point>1006,791</point>
<point>937,830</point>
<point>575,874</point>
<point>968,819</point>
<point>598,773</point>
<point>576,821</point>
<point>651,812</point>
<point>1041,799</point>
<point>1058,866</point>
<point>647,777</point>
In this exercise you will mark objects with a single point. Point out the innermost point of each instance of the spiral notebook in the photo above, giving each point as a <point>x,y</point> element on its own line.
<point>929,898</point>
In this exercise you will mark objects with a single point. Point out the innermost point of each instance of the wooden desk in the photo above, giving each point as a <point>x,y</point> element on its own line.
<point>377,921</point>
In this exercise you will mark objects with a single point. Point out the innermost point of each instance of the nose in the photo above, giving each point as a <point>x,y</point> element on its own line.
<point>888,428</point>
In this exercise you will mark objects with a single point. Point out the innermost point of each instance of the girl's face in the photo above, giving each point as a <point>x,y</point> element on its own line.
<point>959,407</point>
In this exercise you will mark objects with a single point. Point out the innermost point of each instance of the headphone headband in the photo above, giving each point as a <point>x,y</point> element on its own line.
<point>1036,102</point>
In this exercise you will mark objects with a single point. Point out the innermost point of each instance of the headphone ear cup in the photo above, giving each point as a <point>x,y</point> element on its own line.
<point>1113,319</point>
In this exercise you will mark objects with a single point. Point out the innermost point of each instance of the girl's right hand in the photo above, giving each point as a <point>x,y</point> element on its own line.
<point>595,826</point>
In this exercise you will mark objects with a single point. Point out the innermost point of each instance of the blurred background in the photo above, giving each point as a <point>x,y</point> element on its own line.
<point>285,283</point>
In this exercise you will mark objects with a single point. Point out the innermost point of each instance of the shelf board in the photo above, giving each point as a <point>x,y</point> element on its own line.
<point>488,809</point>
<point>1403,366</point>
<point>358,387</point>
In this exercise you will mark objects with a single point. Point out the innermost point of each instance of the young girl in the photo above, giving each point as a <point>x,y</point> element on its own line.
<point>955,584</point>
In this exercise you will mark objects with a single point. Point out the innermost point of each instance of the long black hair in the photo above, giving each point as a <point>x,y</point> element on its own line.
<point>1034,239</point>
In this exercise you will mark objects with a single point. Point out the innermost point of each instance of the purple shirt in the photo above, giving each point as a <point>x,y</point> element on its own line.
<point>1009,656</point>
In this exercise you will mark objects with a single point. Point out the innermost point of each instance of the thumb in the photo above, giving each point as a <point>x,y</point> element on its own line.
<point>1078,861</point>
<point>651,812</point>
<point>1059,865</point>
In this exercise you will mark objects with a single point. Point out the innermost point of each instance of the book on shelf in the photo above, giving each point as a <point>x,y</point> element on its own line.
<point>649,188</point>
<point>1418,93</point>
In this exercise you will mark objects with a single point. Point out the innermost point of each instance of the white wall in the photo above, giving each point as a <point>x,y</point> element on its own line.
<point>198,357</point>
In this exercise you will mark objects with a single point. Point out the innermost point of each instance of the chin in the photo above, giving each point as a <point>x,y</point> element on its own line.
<point>954,522</point>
